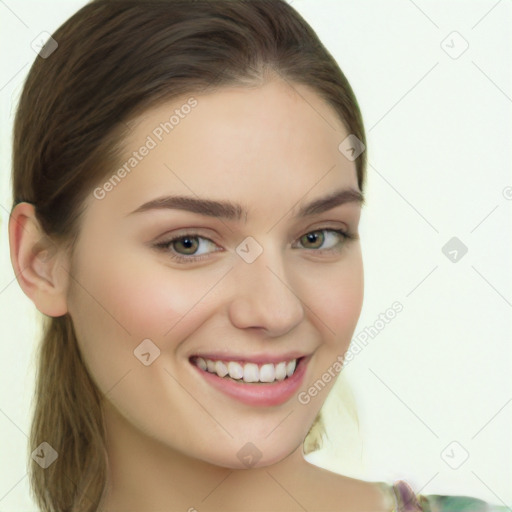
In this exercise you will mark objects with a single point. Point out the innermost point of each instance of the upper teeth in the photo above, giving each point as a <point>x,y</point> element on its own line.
<point>249,372</point>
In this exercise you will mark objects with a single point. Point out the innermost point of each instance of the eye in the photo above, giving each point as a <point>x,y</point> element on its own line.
<point>190,243</point>
<point>187,248</point>
<point>318,237</point>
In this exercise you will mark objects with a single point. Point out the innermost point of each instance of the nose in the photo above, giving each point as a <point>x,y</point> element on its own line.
<point>264,297</point>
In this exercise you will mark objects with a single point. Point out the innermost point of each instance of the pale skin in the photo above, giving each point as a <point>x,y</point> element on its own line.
<point>173,439</point>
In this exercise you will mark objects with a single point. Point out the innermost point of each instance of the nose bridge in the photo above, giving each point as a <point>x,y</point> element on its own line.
<point>264,297</point>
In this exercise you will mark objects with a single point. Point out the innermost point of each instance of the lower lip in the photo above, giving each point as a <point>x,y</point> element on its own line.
<point>275,393</point>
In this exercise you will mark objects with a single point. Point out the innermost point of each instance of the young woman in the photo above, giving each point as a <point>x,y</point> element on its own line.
<point>188,179</point>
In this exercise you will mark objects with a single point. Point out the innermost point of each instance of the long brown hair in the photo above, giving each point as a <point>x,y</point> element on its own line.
<point>115,59</point>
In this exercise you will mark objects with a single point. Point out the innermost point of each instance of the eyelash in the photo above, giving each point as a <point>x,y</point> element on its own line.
<point>164,246</point>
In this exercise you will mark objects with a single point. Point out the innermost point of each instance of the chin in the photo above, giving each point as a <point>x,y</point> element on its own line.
<point>248,455</point>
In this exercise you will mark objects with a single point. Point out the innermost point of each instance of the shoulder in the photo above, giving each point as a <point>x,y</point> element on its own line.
<point>335,492</point>
<point>407,501</point>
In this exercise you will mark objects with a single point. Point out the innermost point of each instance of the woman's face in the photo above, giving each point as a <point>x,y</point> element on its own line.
<point>266,286</point>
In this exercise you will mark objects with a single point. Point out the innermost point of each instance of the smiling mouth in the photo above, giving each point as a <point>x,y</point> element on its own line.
<point>249,373</point>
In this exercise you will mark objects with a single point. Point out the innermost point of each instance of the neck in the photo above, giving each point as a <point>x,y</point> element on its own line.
<point>144,475</point>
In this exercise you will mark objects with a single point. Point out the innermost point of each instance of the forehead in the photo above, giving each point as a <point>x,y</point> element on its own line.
<point>250,144</point>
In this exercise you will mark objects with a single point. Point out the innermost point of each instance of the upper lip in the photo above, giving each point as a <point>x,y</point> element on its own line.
<point>253,358</point>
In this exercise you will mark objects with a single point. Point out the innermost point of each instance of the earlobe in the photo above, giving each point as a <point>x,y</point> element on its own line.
<point>37,262</point>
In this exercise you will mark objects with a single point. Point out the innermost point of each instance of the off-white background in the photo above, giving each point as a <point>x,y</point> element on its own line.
<point>439,133</point>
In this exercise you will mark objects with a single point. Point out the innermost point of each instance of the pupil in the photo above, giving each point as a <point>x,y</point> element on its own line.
<point>313,237</point>
<point>187,243</point>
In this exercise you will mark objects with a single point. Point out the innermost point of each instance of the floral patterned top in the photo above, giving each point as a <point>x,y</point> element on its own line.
<point>405,500</point>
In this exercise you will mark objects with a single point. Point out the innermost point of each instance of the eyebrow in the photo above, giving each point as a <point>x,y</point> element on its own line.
<point>234,212</point>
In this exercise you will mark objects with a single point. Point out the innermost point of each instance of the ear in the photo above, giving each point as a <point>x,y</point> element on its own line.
<point>39,265</point>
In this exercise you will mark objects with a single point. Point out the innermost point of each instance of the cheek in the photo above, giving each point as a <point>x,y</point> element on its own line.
<point>335,298</point>
<point>124,303</point>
